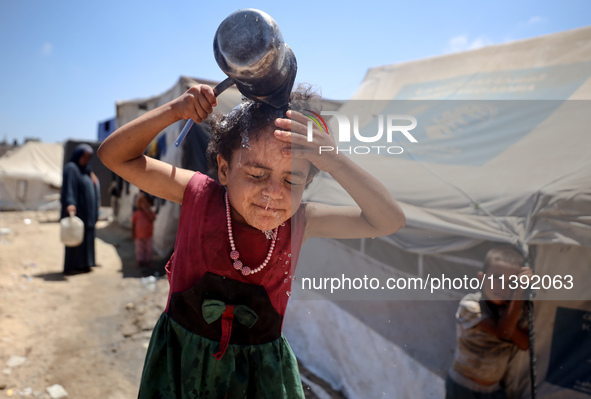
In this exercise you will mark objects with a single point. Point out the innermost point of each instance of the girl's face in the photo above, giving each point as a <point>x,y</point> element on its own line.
<point>141,201</point>
<point>265,187</point>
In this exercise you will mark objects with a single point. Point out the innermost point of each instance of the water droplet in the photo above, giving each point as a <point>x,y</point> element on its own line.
<point>308,311</point>
<point>245,140</point>
<point>239,159</point>
<point>289,256</point>
<point>285,281</point>
<point>285,272</point>
<point>288,293</point>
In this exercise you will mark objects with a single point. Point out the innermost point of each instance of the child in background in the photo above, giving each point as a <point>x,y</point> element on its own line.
<point>142,229</point>
<point>492,327</point>
<point>238,241</point>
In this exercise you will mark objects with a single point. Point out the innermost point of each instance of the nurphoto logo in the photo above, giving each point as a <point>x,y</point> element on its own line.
<point>393,125</point>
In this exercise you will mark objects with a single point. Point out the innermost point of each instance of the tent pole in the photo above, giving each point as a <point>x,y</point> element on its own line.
<point>529,262</point>
<point>532,340</point>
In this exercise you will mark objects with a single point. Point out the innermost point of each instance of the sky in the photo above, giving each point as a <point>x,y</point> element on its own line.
<point>65,64</point>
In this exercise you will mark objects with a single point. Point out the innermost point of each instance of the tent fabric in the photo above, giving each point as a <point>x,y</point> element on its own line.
<point>535,185</point>
<point>352,357</point>
<point>463,71</point>
<point>29,174</point>
<point>502,157</point>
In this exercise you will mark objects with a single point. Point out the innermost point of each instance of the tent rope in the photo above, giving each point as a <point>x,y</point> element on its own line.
<point>531,331</point>
<point>532,341</point>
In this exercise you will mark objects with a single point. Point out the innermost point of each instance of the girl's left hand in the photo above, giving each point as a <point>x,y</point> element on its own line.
<point>295,131</point>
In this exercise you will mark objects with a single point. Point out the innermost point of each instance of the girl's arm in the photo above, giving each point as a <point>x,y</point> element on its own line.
<point>377,213</point>
<point>123,151</point>
<point>506,326</point>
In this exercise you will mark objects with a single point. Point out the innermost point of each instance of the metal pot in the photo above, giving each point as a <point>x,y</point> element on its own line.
<point>249,48</point>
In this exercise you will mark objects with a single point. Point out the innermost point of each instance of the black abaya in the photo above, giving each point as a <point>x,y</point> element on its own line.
<point>79,190</point>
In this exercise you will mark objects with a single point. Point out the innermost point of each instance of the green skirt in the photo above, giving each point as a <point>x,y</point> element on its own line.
<point>180,364</point>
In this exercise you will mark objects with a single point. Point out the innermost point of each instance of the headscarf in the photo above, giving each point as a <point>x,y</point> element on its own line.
<point>78,152</point>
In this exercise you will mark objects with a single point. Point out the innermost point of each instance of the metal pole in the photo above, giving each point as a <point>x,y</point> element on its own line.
<point>532,341</point>
<point>529,262</point>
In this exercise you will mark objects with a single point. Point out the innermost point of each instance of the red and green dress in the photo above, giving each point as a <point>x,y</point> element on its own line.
<point>220,334</point>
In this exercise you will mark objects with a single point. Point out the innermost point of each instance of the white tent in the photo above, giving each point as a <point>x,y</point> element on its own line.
<point>502,157</point>
<point>30,175</point>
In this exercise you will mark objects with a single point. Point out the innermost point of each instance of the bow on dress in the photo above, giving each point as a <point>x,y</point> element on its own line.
<point>213,309</point>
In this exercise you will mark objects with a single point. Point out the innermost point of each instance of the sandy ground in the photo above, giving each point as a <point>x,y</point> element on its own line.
<point>87,333</point>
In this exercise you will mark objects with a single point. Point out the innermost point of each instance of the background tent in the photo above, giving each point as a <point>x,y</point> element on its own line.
<point>502,157</point>
<point>30,175</point>
<point>190,154</point>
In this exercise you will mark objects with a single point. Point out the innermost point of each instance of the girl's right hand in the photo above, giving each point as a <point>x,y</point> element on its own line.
<point>196,103</point>
<point>123,151</point>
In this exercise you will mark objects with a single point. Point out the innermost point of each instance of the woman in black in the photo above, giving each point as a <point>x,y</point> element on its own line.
<point>80,195</point>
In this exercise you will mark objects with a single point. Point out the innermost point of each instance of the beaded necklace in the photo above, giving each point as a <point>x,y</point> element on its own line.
<point>235,255</point>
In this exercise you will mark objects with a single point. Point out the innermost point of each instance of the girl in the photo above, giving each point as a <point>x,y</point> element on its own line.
<point>142,228</point>
<point>220,334</point>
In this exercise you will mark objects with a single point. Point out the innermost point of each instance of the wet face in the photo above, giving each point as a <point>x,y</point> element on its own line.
<point>265,188</point>
<point>501,272</point>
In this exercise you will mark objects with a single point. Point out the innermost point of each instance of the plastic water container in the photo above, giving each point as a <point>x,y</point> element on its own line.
<point>71,231</point>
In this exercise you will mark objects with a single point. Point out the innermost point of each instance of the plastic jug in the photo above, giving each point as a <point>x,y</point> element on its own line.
<point>71,231</point>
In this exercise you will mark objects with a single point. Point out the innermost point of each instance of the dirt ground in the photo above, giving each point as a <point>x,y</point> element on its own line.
<point>89,332</point>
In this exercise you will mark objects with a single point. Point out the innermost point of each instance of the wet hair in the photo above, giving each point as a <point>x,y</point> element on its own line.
<point>504,253</point>
<point>249,120</point>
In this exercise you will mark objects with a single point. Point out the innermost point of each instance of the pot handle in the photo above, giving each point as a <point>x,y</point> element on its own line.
<point>223,85</point>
